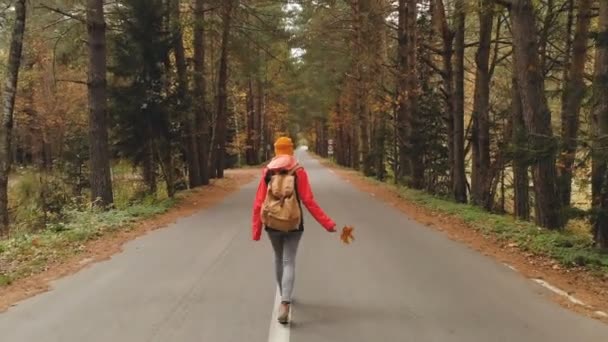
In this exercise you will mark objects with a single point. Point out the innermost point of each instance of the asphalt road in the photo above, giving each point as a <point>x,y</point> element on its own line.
<point>203,279</point>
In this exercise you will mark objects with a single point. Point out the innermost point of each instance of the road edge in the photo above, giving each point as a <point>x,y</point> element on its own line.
<point>575,297</point>
<point>108,245</point>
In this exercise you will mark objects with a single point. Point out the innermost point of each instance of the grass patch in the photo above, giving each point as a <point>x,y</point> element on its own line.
<point>570,247</point>
<point>25,254</point>
<point>5,280</point>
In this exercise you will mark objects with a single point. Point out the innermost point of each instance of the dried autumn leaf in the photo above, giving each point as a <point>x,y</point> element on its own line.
<point>347,235</point>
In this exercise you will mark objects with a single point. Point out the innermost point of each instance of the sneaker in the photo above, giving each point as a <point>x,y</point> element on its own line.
<point>284,313</point>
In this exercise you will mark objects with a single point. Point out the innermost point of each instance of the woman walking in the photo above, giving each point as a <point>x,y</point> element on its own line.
<point>277,207</point>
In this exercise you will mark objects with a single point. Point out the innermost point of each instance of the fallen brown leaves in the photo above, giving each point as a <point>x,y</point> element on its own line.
<point>347,236</point>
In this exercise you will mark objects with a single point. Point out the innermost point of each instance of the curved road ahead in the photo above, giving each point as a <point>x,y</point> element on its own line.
<point>202,279</point>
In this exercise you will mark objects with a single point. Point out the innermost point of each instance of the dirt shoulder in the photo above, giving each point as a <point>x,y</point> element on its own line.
<point>111,243</point>
<point>579,283</point>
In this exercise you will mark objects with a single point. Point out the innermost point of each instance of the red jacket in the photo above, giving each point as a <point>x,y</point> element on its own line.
<point>306,196</point>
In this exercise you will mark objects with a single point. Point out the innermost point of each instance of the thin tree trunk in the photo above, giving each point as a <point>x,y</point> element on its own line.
<point>544,35</point>
<point>219,141</point>
<point>341,145</point>
<point>537,116</point>
<point>250,153</point>
<point>148,169</point>
<point>355,156</point>
<point>259,118</point>
<point>201,118</point>
<point>167,167</point>
<point>101,182</point>
<point>573,94</point>
<point>8,106</point>
<point>599,179</point>
<point>480,182</point>
<point>267,134</point>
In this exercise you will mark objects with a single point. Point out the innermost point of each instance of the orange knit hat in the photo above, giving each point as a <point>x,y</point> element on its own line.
<point>283,146</point>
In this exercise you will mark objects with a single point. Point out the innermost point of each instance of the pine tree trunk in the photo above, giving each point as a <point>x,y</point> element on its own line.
<point>544,35</point>
<point>521,181</point>
<point>404,128</point>
<point>480,182</point>
<point>599,179</point>
<point>219,141</point>
<point>364,134</point>
<point>101,182</point>
<point>379,147</point>
<point>8,105</point>
<point>363,32</point>
<point>382,117</point>
<point>189,119</point>
<point>440,24</point>
<point>573,93</point>
<point>201,118</point>
<point>415,155</point>
<point>460,182</point>
<point>537,116</point>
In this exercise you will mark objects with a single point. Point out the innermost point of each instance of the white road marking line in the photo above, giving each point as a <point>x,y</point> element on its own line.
<point>510,267</point>
<point>559,291</point>
<point>601,314</point>
<point>278,332</point>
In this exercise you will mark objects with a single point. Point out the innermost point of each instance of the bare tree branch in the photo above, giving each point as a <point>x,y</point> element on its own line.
<point>63,12</point>
<point>73,81</point>
<point>506,3</point>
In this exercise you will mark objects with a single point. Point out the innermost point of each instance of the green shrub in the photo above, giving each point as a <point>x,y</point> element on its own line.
<point>5,280</point>
<point>28,253</point>
<point>571,247</point>
<point>38,198</point>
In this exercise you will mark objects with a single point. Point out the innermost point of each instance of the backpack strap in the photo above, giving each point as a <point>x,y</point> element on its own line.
<point>294,169</point>
<point>268,176</point>
<point>291,172</point>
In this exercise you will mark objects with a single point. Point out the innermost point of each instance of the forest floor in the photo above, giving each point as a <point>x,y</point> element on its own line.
<point>581,288</point>
<point>30,262</point>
